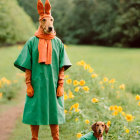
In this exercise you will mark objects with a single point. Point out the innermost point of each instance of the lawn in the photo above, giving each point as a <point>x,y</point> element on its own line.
<point>121,64</point>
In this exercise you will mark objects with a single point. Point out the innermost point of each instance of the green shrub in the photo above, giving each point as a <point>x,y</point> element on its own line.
<point>8,89</point>
<point>15,25</point>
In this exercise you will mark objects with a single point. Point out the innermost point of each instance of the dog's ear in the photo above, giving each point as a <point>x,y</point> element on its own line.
<point>93,127</point>
<point>106,129</point>
<point>40,7</point>
<point>47,7</point>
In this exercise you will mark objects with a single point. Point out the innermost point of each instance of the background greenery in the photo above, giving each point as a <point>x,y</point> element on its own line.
<point>15,25</point>
<point>102,22</point>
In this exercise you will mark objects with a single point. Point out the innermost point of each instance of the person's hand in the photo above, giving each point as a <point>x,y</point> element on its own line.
<point>30,90</point>
<point>60,91</point>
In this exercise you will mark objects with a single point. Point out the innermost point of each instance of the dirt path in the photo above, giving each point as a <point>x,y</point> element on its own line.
<point>8,120</point>
<point>10,114</point>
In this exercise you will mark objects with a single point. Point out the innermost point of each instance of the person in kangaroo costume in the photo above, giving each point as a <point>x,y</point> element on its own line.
<point>44,60</point>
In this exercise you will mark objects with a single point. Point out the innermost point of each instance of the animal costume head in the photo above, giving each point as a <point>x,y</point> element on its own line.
<point>45,32</point>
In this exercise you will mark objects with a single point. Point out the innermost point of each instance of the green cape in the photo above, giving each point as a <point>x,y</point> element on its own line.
<point>44,107</point>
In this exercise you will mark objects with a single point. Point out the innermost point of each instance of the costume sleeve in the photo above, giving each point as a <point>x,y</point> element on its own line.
<point>82,138</point>
<point>23,61</point>
<point>64,59</point>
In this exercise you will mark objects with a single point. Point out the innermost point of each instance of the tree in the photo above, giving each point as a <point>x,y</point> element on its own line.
<point>12,23</point>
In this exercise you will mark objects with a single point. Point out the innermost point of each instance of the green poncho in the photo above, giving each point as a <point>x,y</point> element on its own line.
<point>44,107</point>
<point>88,136</point>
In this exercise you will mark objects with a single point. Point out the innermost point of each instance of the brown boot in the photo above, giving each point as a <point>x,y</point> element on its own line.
<point>55,131</point>
<point>34,130</point>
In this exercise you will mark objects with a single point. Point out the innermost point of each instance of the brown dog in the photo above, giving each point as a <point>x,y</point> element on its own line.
<point>99,128</point>
<point>47,24</point>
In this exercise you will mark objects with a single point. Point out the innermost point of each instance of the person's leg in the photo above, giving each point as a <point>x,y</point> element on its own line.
<point>34,130</point>
<point>55,131</point>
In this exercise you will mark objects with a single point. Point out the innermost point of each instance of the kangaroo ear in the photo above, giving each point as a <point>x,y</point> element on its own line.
<point>40,7</point>
<point>94,127</point>
<point>47,7</point>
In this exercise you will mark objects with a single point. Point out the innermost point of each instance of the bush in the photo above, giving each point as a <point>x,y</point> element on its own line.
<point>15,25</point>
<point>8,89</point>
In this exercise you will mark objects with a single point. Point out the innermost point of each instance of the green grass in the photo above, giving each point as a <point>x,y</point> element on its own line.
<point>121,64</point>
<point>7,70</point>
<point>7,56</point>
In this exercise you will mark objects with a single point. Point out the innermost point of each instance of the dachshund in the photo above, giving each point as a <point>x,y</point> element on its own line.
<point>99,128</point>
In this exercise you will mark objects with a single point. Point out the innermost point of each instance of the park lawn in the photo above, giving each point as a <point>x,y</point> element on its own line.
<point>121,64</point>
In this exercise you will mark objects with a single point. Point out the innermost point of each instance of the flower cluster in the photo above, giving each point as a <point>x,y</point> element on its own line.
<point>100,90</point>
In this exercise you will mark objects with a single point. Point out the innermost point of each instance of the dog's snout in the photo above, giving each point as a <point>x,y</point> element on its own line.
<point>100,131</point>
<point>50,28</point>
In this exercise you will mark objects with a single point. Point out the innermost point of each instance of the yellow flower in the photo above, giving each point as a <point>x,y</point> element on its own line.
<point>123,113</point>
<point>94,75</point>
<point>81,63</point>
<point>108,123</point>
<point>115,113</point>
<point>120,109</point>
<point>65,111</point>
<point>127,130</point>
<point>79,135</point>
<point>112,87</point>
<point>137,132</point>
<point>112,81</point>
<point>71,107</point>
<point>0,84</point>
<point>71,94</point>
<point>19,47</point>
<point>137,97</point>
<point>111,108</point>
<point>66,76</point>
<point>138,103</point>
<point>82,82</point>
<point>86,66</point>
<point>76,119</point>
<point>65,46</point>
<point>101,82</point>
<point>75,83</point>
<point>65,96</point>
<point>76,105</point>
<point>86,88</point>
<point>77,109</point>
<point>95,100</point>
<point>129,117</point>
<point>91,70</point>
<point>69,81</point>
<point>21,74</point>
<point>102,87</point>
<point>122,86</point>
<point>105,79</point>
<point>5,81</point>
<point>76,89</point>
<point>1,95</point>
<point>87,121</point>
<point>116,107</point>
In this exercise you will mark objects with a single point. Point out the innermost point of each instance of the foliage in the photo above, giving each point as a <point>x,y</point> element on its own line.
<point>15,24</point>
<point>102,22</point>
<point>8,88</point>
